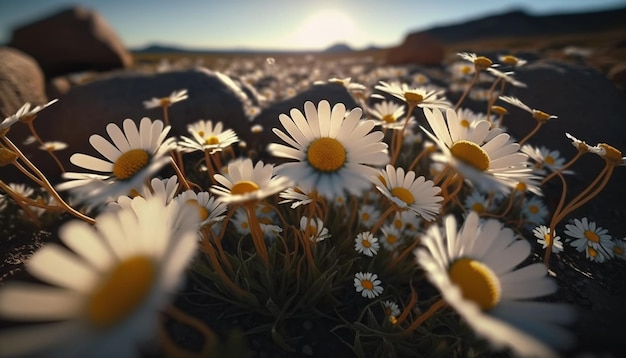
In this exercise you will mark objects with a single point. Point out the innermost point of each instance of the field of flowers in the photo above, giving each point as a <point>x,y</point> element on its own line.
<point>403,224</point>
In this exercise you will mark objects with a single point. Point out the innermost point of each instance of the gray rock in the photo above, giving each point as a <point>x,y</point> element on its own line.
<point>87,109</point>
<point>72,40</point>
<point>21,81</point>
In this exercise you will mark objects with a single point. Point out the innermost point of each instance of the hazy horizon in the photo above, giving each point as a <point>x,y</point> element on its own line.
<point>281,25</point>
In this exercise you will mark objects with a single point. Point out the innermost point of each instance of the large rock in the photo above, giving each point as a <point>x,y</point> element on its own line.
<point>21,81</point>
<point>417,48</point>
<point>73,40</point>
<point>87,109</point>
<point>588,106</point>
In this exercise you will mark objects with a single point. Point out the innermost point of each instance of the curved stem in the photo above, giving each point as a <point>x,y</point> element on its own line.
<point>532,133</point>
<point>563,168</point>
<point>31,127</point>
<point>467,90</point>
<point>424,316</point>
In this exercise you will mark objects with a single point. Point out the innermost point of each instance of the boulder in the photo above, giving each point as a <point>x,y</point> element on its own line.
<point>589,107</point>
<point>417,48</point>
<point>75,39</point>
<point>86,109</point>
<point>21,81</point>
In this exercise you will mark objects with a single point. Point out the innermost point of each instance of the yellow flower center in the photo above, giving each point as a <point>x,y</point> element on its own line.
<point>326,154</point>
<point>398,224</point>
<point>365,216</point>
<point>540,115</point>
<point>204,213</point>
<point>412,97</point>
<point>389,118</point>
<point>478,207</point>
<point>465,123</point>
<point>367,284</point>
<point>521,187</point>
<point>201,133</point>
<point>244,187</point>
<point>212,140</point>
<point>618,250</point>
<point>549,160</point>
<point>130,163</point>
<point>533,209</point>
<point>509,60</point>
<point>612,154</point>
<point>466,70</point>
<point>482,63</point>
<point>392,239</point>
<point>403,194</point>
<point>122,292</point>
<point>592,251</point>
<point>470,153</point>
<point>366,243</point>
<point>499,110</point>
<point>476,281</point>
<point>548,238</point>
<point>592,236</point>
<point>165,101</point>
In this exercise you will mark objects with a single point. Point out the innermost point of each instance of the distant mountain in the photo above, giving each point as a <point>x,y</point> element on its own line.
<point>338,48</point>
<point>518,23</point>
<point>165,49</point>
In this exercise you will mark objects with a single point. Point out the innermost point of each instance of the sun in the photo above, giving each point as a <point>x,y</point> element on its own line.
<point>324,28</point>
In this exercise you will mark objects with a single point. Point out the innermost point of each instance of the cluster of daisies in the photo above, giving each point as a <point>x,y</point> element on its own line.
<point>452,193</point>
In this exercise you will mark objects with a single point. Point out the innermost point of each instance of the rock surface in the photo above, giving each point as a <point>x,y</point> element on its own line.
<point>417,48</point>
<point>87,109</point>
<point>21,81</point>
<point>72,40</point>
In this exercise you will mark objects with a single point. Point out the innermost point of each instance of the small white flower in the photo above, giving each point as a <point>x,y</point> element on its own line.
<point>368,284</point>
<point>174,97</point>
<point>366,244</point>
<point>314,226</point>
<point>391,308</point>
<point>542,233</point>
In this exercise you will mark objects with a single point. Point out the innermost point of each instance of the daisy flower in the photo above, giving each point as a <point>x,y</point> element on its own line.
<point>366,244</point>
<point>579,144</point>
<point>205,137</point>
<point>486,161</point>
<point>210,210</point>
<point>619,249</point>
<point>23,113</point>
<point>481,63</point>
<point>244,182</point>
<point>316,227</point>
<point>406,220</point>
<point>540,116</point>
<point>368,214</point>
<point>241,222</point>
<point>174,97</point>
<point>420,97</point>
<point>135,154</point>
<point>534,210</point>
<point>544,158</point>
<point>474,268</point>
<point>542,233</point>
<point>609,153</point>
<point>391,237</point>
<point>390,308</point>
<point>586,233</point>
<point>388,114</point>
<point>506,76</point>
<point>103,297</point>
<point>477,202</point>
<point>512,60</point>
<point>368,284</point>
<point>296,197</point>
<point>333,149</point>
<point>407,192</point>
<point>53,146</point>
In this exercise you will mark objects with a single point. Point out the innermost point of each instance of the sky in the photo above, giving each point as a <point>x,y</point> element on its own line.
<point>280,24</point>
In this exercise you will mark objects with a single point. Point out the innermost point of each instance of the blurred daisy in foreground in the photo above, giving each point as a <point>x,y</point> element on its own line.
<point>586,234</point>
<point>366,244</point>
<point>206,137</point>
<point>368,284</point>
<point>474,268</point>
<point>104,296</point>
<point>488,162</point>
<point>407,192</point>
<point>135,154</point>
<point>333,149</point>
<point>544,237</point>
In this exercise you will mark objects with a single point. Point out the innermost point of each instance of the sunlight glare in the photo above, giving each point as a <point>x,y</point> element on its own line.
<point>324,28</point>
